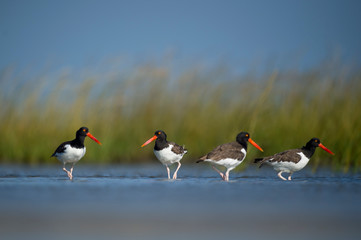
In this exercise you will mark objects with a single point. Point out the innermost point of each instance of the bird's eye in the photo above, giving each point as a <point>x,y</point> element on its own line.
<point>159,133</point>
<point>246,135</point>
<point>83,130</point>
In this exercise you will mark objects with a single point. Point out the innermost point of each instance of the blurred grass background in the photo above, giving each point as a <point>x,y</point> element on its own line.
<point>199,107</point>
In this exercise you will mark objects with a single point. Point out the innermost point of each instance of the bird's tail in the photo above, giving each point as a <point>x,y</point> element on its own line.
<point>257,160</point>
<point>201,159</point>
<point>185,150</point>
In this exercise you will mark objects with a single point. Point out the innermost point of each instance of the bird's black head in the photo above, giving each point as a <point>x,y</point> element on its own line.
<point>160,135</point>
<point>83,131</point>
<point>242,137</point>
<point>313,143</point>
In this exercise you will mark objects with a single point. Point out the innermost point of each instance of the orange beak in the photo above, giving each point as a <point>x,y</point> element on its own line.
<point>149,141</point>
<point>255,144</point>
<point>93,138</point>
<point>324,148</point>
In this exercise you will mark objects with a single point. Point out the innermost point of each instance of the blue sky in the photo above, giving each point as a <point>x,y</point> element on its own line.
<point>78,33</point>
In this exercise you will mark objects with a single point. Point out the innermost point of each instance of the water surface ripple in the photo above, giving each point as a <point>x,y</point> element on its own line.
<point>137,202</point>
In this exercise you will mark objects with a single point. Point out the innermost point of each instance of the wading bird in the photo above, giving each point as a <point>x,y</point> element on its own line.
<point>292,160</point>
<point>166,152</point>
<point>229,155</point>
<point>72,151</point>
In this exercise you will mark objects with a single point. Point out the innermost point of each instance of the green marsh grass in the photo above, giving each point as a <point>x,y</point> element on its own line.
<point>199,108</point>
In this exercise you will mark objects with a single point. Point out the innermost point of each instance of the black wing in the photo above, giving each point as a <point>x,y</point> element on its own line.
<point>61,148</point>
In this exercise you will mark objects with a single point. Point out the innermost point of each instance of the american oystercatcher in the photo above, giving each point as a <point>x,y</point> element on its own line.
<point>72,151</point>
<point>292,160</point>
<point>229,155</point>
<point>166,152</point>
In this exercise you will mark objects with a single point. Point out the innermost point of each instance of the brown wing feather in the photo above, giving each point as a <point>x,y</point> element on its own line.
<point>286,156</point>
<point>227,150</point>
<point>178,149</point>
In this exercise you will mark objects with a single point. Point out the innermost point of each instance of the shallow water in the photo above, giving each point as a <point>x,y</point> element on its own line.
<point>137,202</point>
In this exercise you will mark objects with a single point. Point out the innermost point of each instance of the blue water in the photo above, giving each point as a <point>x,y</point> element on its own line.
<point>137,202</point>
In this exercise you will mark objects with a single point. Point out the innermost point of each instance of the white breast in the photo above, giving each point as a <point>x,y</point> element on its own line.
<point>244,152</point>
<point>167,157</point>
<point>71,155</point>
<point>290,166</point>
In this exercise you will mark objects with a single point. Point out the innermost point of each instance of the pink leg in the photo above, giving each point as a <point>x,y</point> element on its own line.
<point>68,172</point>
<point>227,176</point>
<point>71,171</point>
<point>168,171</point>
<point>220,173</point>
<point>289,177</point>
<point>175,173</point>
<point>280,176</point>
